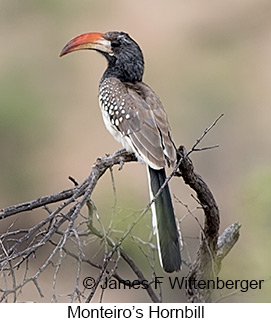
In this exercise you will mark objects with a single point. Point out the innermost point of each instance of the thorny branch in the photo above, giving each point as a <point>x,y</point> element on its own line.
<point>64,225</point>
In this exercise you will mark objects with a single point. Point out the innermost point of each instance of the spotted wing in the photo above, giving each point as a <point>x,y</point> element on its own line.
<point>137,113</point>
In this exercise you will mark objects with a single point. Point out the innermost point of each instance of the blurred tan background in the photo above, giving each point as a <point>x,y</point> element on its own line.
<point>203,58</point>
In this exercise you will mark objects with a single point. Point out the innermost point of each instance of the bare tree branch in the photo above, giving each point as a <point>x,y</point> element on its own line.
<point>98,169</point>
<point>211,250</point>
<point>61,226</point>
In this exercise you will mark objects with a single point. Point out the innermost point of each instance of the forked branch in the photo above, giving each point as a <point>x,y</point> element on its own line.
<point>61,226</point>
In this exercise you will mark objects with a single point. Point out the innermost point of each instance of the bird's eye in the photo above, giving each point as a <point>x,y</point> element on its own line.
<point>115,43</point>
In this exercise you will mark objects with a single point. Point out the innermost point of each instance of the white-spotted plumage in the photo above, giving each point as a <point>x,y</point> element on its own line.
<point>113,109</point>
<point>112,105</point>
<point>122,121</point>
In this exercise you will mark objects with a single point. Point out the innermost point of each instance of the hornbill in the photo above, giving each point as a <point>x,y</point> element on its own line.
<point>135,116</point>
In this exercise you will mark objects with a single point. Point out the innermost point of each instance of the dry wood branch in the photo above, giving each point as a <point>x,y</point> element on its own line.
<point>212,249</point>
<point>55,221</point>
<point>60,227</point>
<point>98,169</point>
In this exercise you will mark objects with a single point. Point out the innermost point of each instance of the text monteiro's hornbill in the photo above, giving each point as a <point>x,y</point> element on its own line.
<point>135,117</point>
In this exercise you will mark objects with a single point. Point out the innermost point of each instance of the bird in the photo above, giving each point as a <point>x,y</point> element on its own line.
<point>135,116</point>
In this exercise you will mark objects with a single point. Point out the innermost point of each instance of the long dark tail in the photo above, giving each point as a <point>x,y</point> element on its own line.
<point>164,220</point>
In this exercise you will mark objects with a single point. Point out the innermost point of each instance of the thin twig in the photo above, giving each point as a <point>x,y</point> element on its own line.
<point>17,246</point>
<point>204,134</point>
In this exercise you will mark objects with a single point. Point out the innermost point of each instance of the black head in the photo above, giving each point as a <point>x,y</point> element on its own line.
<point>124,56</point>
<point>126,61</point>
